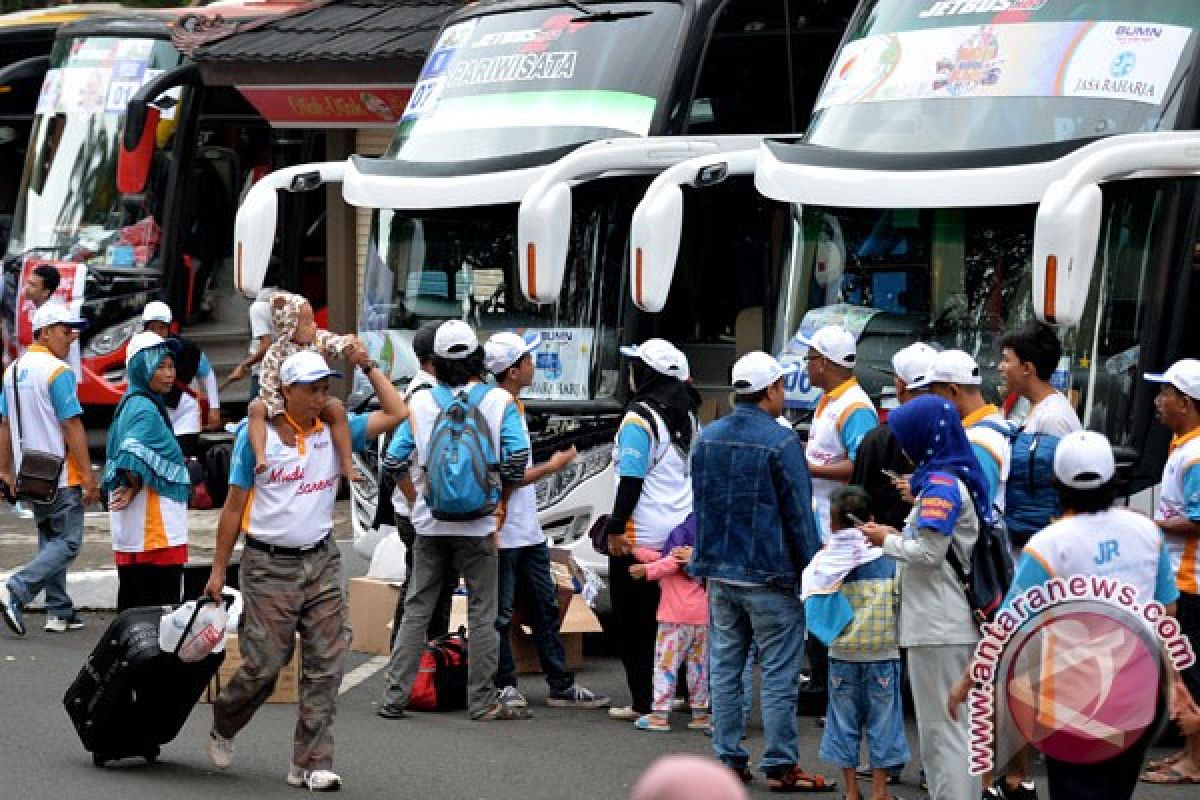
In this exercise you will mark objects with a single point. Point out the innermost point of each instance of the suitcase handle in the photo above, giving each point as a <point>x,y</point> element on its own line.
<point>200,603</point>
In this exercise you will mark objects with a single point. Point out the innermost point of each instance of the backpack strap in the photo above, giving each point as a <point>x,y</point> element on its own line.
<point>654,420</point>
<point>1003,428</point>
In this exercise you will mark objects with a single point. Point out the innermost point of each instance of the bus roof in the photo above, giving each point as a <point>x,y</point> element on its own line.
<point>157,22</point>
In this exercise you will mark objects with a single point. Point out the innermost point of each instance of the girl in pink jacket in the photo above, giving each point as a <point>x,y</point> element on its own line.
<point>682,641</point>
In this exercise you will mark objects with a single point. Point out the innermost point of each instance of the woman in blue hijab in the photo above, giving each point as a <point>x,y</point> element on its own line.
<point>147,481</point>
<point>935,622</point>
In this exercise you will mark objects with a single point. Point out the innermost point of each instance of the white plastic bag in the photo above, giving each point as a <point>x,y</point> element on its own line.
<point>366,542</point>
<point>199,639</point>
<point>388,562</point>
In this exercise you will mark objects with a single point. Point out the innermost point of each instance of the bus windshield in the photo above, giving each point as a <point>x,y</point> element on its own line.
<point>524,81</point>
<point>68,206</point>
<point>939,75</point>
<point>960,278</point>
<point>462,264</point>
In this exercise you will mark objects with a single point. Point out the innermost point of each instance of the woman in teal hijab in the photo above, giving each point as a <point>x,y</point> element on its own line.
<point>147,481</point>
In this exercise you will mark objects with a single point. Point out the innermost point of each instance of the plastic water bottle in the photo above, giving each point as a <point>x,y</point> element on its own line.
<point>1061,379</point>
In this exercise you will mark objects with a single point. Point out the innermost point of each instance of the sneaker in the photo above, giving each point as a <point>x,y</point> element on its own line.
<point>315,780</point>
<point>391,711</point>
<point>511,696</point>
<point>576,697</point>
<point>502,712</point>
<point>220,750</point>
<point>12,611</point>
<point>64,624</point>
<point>653,722</point>
<point>625,713</point>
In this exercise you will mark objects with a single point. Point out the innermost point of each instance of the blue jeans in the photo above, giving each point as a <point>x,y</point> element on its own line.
<point>864,696</point>
<point>60,535</point>
<point>773,619</point>
<point>524,572</point>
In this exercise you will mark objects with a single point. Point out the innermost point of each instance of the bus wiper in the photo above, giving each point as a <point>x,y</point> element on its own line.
<point>590,15</point>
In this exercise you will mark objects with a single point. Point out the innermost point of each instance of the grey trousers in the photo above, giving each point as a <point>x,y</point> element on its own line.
<point>283,595</point>
<point>435,557</point>
<point>945,744</point>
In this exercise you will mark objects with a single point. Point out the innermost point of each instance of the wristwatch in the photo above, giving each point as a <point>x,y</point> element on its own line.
<point>366,370</point>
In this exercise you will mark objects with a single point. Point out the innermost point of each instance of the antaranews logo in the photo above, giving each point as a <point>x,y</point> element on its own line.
<point>1077,667</point>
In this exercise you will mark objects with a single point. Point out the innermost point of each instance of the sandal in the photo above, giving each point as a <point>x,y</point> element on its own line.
<point>1159,764</point>
<point>797,780</point>
<point>652,722</point>
<point>1171,777</point>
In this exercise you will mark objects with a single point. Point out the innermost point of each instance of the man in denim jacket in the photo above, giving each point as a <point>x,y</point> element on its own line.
<point>755,533</point>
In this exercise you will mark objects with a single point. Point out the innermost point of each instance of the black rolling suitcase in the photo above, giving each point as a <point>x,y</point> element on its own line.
<point>131,698</point>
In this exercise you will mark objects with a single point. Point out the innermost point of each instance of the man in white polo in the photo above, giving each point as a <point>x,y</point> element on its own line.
<point>41,411</point>
<point>843,417</point>
<point>955,376</point>
<point>291,567</point>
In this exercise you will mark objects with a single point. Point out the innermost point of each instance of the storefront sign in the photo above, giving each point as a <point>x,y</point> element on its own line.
<point>372,106</point>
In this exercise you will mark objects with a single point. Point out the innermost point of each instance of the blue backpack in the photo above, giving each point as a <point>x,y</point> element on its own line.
<point>1030,502</point>
<point>462,470</point>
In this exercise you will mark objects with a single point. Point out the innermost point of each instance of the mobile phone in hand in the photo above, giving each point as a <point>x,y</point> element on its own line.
<point>892,474</point>
<point>855,521</point>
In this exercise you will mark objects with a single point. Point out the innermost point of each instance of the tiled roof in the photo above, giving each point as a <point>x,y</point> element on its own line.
<point>337,30</point>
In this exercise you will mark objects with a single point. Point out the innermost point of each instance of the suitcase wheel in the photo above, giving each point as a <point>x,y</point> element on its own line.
<point>99,760</point>
<point>151,756</point>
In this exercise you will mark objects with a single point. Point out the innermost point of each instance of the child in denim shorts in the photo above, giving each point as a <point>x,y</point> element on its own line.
<point>864,664</point>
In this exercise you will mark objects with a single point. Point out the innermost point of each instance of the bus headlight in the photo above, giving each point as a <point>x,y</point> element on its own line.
<point>112,339</point>
<point>587,464</point>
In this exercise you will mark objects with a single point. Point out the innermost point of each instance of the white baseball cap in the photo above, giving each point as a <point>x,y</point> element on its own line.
<point>1184,375</point>
<point>157,311</point>
<point>454,340</point>
<point>911,364</point>
<point>307,366</point>
<point>145,340</point>
<point>834,342</point>
<point>503,350</point>
<point>661,356</point>
<point>56,314</point>
<point>955,366</point>
<point>756,371</point>
<point>1084,460</point>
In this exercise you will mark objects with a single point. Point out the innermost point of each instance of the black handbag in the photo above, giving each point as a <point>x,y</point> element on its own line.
<point>37,479</point>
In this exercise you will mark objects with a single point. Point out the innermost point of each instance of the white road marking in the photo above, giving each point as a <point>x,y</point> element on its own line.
<point>360,673</point>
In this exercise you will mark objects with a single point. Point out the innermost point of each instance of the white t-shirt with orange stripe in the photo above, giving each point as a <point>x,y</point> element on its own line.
<point>1181,498</point>
<point>46,387</point>
<point>843,417</point>
<point>149,522</point>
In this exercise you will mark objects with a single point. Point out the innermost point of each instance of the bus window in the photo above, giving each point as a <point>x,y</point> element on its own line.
<point>744,86</point>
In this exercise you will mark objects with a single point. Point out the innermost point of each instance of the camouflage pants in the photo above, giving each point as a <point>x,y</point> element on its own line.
<point>283,595</point>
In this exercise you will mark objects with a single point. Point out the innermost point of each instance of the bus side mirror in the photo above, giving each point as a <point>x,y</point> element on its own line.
<point>254,236</point>
<point>1065,239</point>
<point>137,149</point>
<point>543,234</point>
<point>654,246</point>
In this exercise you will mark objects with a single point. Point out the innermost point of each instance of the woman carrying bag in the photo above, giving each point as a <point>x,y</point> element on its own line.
<point>146,478</point>
<point>654,496</point>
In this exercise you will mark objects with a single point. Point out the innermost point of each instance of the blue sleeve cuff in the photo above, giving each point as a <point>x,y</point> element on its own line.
<point>402,444</point>
<point>513,438</point>
<point>860,423</point>
<point>633,451</point>
<point>358,431</point>
<point>1191,491</point>
<point>241,462</point>
<point>63,397</point>
<point>1165,589</point>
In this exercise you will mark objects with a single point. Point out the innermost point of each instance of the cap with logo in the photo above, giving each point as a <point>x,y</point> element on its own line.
<point>56,314</point>
<point>954,366</point>
<point>661,356</point>
<point>756,371</point>
<point>1184,375</point>
<point>454,340</point>
<point>157,311</point>
<point>1084,460</point>
<point>911,364</point>
<point>503,350</point>
<point>307,366</point>
<point>145,340</point>
<point>834,343</point>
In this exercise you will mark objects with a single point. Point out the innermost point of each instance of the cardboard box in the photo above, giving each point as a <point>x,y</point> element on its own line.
<point>287,687</point>
<point>576,620</point>
<point>372,609</point>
